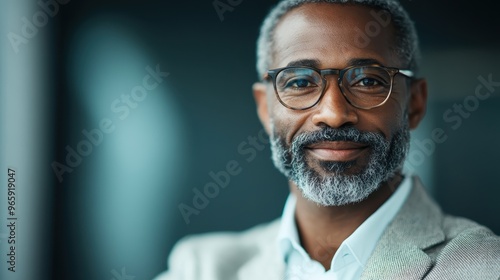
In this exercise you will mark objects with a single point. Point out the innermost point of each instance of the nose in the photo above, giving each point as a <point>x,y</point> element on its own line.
<point>334,110</point>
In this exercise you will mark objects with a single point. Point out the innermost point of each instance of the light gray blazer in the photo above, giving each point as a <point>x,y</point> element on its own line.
<point>420,243</point>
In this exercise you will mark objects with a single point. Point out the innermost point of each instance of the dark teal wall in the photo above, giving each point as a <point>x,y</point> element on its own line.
<point>206,108</point>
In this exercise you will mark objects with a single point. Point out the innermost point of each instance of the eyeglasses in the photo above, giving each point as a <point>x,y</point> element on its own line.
<point>364,87</point>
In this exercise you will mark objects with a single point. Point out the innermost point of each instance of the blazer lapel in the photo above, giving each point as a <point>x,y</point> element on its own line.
<point>399,253</point>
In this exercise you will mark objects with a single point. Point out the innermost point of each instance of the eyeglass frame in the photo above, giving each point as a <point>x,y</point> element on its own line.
<point>392,71</point>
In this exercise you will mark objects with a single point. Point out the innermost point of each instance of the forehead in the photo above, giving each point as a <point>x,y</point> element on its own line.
<point>333,35</point>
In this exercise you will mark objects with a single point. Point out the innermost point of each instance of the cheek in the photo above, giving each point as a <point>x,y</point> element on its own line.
<point>285,122</point>
<point>387,119</point>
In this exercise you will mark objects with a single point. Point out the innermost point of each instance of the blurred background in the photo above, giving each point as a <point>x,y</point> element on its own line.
<point>116,114</point>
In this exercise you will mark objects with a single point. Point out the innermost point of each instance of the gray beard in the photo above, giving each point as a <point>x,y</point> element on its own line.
<point>337,186</point>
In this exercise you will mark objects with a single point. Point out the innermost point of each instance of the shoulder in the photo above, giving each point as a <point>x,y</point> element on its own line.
<point>205,256</point>
<point>218,240</point>
<point>433,245</point>
<point>469,251</point>
<point>225,244</point>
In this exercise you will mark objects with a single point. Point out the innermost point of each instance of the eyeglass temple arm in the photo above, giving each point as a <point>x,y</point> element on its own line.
<point>407,73</point>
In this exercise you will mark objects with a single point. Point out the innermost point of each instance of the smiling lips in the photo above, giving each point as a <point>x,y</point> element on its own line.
<point>337,150</point>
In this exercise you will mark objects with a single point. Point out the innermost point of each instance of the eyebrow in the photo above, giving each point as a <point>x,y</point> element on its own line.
<point>316,63</point>
<point>363,61</point>
<point>305,62</point>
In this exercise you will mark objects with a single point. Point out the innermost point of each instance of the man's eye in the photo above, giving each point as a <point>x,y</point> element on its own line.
<point>368,82</point>
<point>299,83</point>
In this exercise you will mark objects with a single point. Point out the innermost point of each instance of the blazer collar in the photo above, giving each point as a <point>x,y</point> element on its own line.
<point>399,253</point>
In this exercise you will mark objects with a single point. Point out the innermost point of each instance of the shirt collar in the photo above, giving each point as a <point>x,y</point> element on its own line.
<point>360,244</point>
<point>288,236</point>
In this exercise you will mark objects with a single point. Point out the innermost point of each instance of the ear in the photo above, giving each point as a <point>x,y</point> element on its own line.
<point>418,102</point>
<point>260,96</point>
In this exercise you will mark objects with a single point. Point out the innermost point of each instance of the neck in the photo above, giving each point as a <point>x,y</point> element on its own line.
<point>323,228</point>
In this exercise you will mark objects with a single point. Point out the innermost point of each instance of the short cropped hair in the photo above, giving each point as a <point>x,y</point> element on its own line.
<point>406,39</point>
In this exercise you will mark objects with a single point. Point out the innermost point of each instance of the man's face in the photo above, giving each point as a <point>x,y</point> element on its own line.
<point>335,153</point>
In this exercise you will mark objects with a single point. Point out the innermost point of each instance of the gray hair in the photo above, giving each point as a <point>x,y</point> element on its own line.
<point>405,34</point>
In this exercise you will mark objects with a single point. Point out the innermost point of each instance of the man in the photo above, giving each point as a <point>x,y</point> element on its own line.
<point>338,105</point>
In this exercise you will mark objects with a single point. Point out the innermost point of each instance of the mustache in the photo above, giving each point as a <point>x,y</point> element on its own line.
<point>348,133</point>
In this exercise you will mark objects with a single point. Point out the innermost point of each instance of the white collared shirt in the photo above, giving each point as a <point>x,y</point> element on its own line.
<point>352,255</point>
